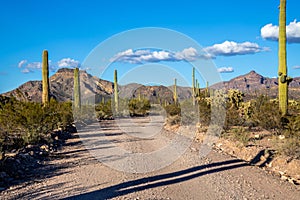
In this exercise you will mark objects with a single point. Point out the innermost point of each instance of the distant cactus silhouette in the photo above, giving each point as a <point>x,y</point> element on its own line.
<point>45,78</point>
<point>193,85</point>
<point>116,91</point>
<point>77,96</point>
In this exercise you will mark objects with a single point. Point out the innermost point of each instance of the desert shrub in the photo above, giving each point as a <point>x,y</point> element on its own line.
<point>289,147</point>
<point>233,118</point>
<point>241,135</point>
<point>265,113</point>
<point>204,111</point>
<point>23,123</point>
<point>139,107</point>
<point>173,109</point>
<point>104,110</point>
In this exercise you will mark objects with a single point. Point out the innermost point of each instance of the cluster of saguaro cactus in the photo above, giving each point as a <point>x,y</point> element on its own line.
<point>45,78</point>
<point>116,95</point>
<point>77,97</point>
<point>283,79</point>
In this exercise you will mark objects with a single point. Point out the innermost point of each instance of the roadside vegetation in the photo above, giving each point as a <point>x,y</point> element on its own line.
<point>246,119</point>
<point>29,123</point>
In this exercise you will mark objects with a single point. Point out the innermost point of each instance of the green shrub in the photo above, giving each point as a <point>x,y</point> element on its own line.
<point>265,114</point>
<point>173,109</point>
<point>139,107</point>
<point>104,110</point>
<point>23,123</point>
<point>204,111</point>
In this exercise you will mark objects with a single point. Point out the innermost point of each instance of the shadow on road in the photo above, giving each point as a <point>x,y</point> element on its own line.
<point>160,180</point>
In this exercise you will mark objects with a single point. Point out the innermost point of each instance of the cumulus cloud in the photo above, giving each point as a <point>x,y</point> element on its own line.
<point>27,67</point>
<point>225,70</point>
<point>68,62</point>
<point>270,32</point>
<point>296,67</point>
<point>231,48</point>
<point>150,55</point>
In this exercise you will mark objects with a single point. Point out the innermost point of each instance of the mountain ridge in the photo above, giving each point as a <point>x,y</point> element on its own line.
<point>61,87</point>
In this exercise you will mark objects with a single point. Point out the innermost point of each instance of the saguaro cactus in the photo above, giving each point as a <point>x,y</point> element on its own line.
<point>175,91</point>
<point>77,98</point>
<point>45,78</point>
<point>116,91</point>
<point>207,90</point>
<point>193,85</point>
<point>283,79</point>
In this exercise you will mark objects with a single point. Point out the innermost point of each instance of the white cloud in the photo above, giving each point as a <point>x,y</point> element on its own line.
<point>296,67</point>
<point>68,62</point>
<point>225,70</point>
<point>27,67</point>
<point>270,32</point>
<point>230,48</point>
<point>21,63</point>
<point>150,55</point>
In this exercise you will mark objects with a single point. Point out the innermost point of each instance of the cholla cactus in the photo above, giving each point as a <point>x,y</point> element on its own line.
<point>235,97</point>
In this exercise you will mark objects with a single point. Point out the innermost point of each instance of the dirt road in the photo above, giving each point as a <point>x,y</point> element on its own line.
<point>99,165</point>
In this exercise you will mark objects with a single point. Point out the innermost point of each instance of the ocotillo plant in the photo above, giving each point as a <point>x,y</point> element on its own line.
<point>282,69</point>
<point>77,98</point>
<point>175,91</point>
<point>45,78</point>
<point>116,91</point>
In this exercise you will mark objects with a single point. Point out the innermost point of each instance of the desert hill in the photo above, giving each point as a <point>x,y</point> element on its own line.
<point>61,88</point>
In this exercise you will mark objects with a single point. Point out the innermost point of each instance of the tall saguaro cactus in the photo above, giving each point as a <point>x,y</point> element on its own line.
<point>45,78</point>
<point>283,79</point>
<point>193,85</point>
<point>77,98</point>
<point>116,91</point>
<point>175,91</point>
<point>207,90</point>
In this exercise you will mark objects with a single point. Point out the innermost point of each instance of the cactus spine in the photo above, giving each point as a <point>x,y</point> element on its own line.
<point>282,69</point>
<point>175,91</point>
<point>45,78</point>
<point>77,99</point>
<point>116,91</point>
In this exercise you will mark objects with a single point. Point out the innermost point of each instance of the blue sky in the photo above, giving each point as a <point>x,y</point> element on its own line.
<point>230,32</point>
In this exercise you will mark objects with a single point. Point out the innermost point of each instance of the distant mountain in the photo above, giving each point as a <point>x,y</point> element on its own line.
<point>61,88</point>
<point>253,84</point>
